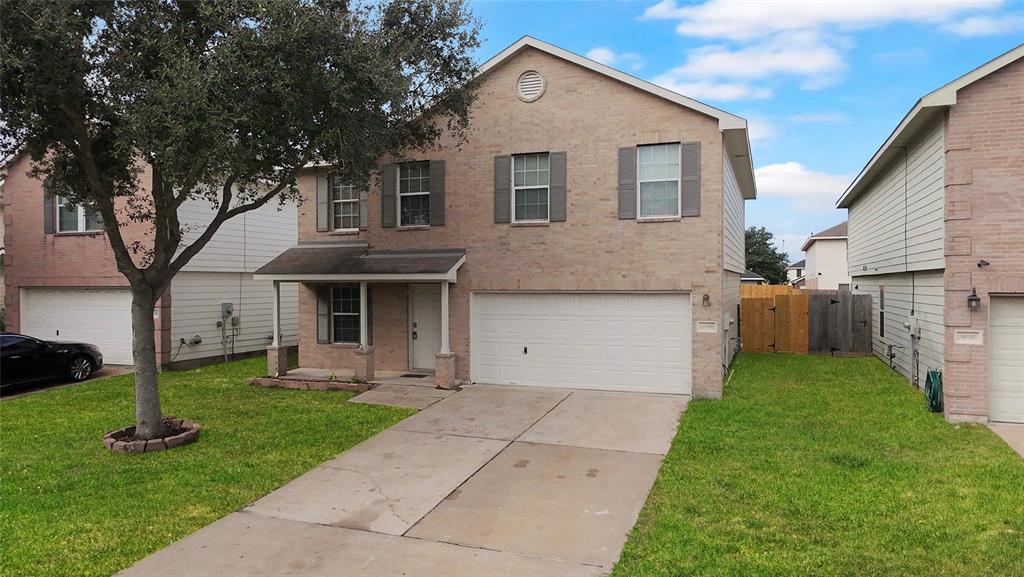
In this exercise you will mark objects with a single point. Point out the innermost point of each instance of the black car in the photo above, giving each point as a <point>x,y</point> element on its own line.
<point>25,359</point>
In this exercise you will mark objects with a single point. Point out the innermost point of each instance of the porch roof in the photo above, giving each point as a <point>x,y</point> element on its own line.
<point>340,262</point>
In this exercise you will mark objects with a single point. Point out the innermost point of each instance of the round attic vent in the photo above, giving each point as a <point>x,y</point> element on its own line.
<point>530,86</point>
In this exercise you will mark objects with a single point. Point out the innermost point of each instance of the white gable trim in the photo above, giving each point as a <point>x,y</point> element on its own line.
<point>940,98</point>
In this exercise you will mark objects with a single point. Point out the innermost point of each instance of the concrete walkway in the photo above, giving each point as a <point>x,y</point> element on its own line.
<point>1012,433</point>
<point>509,481</point>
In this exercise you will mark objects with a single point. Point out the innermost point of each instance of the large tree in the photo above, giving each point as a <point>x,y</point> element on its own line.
<point>763,257</point>
<point>226,100</point>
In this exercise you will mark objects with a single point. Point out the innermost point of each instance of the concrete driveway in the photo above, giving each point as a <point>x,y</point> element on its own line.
<point>490,481</point>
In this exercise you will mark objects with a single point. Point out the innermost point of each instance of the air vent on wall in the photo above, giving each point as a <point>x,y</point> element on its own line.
<point>530,86</point>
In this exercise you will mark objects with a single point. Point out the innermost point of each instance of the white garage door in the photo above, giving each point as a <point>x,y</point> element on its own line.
<point>1006,360</point>
<point>620,342</point>
<point>102,317</point>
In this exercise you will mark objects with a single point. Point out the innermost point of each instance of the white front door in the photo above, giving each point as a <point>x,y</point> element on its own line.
<point>1006,360</point>
<point>424,325</point>
<point>609,341</point>
<point>101,316</point>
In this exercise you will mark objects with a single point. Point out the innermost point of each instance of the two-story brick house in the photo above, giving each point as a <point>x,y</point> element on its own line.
<point>62,283</point>
<point>589,234</point>
<point>936,236</point>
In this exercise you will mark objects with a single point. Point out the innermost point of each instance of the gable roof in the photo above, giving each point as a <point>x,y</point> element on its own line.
<point>924,110</point>
<point>798,264</point>
<point>751,275</point>
<point>734,128</point>
<point>832,233</point>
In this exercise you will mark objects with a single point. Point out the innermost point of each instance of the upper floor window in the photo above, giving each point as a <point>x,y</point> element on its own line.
<point>414,194</point>
<point>530,179</point>
<point>658,179</point>
<point>72,218</point>
<point>344,205</point>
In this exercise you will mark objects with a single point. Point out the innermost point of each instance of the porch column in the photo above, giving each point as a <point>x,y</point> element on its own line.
<point>364,368</point>
<point>277,356</point>
<point>444,318</point>
<point>444,367</point>
<point>276,342</point>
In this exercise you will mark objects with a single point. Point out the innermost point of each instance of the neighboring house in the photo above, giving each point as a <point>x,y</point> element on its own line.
<point>590,234</point>
<point>62,282</point>
<point>795,273</point>
<point>826,260</point>
<point>751,277</point>
<point>937,238</point>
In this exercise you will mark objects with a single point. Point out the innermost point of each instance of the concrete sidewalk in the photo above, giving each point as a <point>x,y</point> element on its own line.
<point>489,481</point>
<point>1012,433</point>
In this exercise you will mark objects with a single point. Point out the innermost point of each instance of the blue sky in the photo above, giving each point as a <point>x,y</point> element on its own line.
<point>822,82</point>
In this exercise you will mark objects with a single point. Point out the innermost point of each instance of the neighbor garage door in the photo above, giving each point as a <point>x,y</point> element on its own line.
<point>102,317</point>
<point>620,342</point>
<point>1006,360</point>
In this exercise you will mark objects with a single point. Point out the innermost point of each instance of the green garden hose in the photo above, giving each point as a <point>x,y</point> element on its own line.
<point>933,391</point>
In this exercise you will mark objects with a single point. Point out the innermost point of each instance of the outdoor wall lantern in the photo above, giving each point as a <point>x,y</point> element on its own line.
<point>974,301</point>
<point>706,300</point>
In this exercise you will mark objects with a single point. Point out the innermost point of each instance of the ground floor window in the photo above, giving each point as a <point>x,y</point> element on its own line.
<point>345,314</point>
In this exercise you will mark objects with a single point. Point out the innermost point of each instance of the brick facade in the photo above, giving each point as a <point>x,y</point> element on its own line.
<point>984,196</point>
<point>589,116</point>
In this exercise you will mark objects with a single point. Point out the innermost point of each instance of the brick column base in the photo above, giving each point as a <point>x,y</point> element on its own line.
<point>444,371</point>
<point>277,361</point>
<point>364,364</point>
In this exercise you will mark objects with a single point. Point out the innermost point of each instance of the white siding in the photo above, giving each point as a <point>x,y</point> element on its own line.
<point>921,291</point>
<point>897,225</point>
<point>196,299</point>
<point>826,264</point>
<point>730,316</point>
<point>733,226</point>
<point>243,243</point>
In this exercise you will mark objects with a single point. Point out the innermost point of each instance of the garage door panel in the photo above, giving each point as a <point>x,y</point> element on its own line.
<point>1006,359</point>
<point>583,340</point>
<point>98,316</point>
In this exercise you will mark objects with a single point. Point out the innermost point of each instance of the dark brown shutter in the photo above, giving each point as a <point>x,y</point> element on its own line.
<point>369,314</point>
<point>627,182</point>
<point>364,208</point>
<point>691,179</point>
<point>556,186</point>
<point>49,214</point>
<point>502,189</point>
<point>323,204</point>
<point>323,313</point>
<point>388,183</point>
<point>437,193</point>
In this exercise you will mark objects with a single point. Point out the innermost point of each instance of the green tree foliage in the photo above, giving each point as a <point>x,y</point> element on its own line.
<point>226,100</point>
<point>763,257</point>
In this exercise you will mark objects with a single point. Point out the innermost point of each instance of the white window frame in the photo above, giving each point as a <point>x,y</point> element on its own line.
<point>679,185</point>
<point>335,314</point>
<point>82,220</point>
<point>516,189</point>
<point>399,194</point>
<point>337,203</point>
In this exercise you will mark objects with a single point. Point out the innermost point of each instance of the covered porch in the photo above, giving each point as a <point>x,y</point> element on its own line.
<point>367,314</point>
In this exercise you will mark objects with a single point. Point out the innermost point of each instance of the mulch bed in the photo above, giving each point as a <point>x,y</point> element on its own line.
<point>183,432</point>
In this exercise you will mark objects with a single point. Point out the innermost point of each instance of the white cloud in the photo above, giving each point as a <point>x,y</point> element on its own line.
<point>607,56</point>
<point>986,25</point>
<point>759,128</point>
<point>744,20</point>
<point>807,190</point>
<point>711,90</point>
<point>820,117</point>
<point>790,243</point>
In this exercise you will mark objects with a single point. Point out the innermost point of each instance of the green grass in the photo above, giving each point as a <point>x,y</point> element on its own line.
<point>820,466</point>
<point>71,507</point>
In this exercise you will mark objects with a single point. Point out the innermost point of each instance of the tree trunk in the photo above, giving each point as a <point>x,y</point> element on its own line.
<point>148,418</point>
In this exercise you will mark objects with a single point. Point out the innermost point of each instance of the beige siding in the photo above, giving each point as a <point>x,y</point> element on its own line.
<point>730,314</point>
<point>921,292</point>
<point>732,214</point>
<point>826,264</point>
<point>196,299</point>
<point>243,243</point>
<point>897,225</point>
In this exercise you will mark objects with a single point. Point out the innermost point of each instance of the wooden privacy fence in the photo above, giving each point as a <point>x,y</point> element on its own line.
<point>806,321</point>
<point>767,291</point>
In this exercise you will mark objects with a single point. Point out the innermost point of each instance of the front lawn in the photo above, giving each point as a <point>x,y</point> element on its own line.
<point>828,466</point>
<point>68,506</point>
